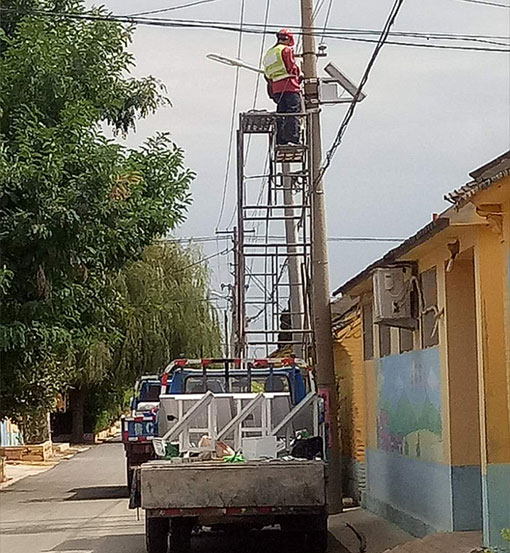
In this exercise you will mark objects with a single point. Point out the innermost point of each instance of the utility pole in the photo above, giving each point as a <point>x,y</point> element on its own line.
<point>325,368</point>
<point>296,303</point>
<point>227,333</point>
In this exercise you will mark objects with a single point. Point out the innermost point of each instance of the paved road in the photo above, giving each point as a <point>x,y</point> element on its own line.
<point>80,506</point>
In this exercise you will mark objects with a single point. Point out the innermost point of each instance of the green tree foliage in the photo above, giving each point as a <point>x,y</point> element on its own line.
<point>74,205</point>
<point>166,312</point>
<point>430,418</point>
<point>163,313</point>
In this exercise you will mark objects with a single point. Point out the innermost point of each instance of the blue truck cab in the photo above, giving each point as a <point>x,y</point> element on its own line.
<point>185,376</point>
<point>140,426</point>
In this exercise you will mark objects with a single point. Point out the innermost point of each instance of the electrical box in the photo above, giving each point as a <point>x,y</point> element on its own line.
<point>393,305</point>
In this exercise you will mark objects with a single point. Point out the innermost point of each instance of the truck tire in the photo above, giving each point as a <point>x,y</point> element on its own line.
<point>129,474</point>
<point>317,533</point>
<point>156,534</point>
<point>180,534</point>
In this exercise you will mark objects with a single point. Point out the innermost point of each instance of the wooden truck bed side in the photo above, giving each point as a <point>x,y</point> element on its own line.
<point>219,485</point>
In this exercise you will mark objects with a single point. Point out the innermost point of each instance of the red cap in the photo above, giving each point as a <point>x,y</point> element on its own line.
<point>286,33</point>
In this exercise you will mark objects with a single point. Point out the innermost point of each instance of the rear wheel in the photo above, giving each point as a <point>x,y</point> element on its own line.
<point>156,534</point>
<point>180,534</point>
<point>129,472</point>
<point>317,533</point>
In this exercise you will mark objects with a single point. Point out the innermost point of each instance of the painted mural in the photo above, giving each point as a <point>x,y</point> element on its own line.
<point>409,414</point>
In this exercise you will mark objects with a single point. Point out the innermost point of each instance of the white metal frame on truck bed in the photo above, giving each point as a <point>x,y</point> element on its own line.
<point>230,417</point>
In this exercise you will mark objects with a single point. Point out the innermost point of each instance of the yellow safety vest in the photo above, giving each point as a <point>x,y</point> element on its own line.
<point>274,66</point>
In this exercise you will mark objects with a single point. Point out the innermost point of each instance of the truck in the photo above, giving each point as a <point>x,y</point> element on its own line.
<point>240,445</point>
<point>140,427</point>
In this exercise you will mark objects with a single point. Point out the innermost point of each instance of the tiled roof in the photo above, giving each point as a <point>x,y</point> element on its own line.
<point>393,255</point>
<point>484,177</point>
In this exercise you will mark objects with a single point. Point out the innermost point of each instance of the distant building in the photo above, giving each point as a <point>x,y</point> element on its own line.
<point>425,406</point>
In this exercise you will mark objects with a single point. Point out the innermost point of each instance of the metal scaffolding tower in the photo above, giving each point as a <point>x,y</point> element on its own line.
<point>273,250</point>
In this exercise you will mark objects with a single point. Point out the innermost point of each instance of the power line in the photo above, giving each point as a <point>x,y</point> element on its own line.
<point>326,19</point>
<point>395,10</point>
<point>172,8</point>
<point>433,46</point>
<point>233,118</point>
<point>199,239</point>
<point>483,2</point>
<point>338,34</point>
<point>200,261</point>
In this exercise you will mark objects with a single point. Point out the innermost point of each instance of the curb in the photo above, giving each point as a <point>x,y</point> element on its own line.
<point>34,468</point>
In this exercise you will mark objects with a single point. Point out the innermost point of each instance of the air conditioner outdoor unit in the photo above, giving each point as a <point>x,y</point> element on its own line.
<point>392,297</point>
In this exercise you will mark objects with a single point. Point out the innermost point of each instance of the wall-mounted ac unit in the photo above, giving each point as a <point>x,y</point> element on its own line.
<point>392,297</point>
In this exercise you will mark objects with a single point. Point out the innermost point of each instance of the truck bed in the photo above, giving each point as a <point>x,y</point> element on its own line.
<point>219,485</point>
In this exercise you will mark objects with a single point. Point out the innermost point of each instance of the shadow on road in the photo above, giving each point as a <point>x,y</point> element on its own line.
<point>98,492</point>
<point>129,543</point>
<point>268,541</point>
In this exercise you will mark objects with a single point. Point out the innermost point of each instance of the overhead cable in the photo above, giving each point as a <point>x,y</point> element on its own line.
<point>172,8</point>
<point>233,119</point>
<point>395,10</point>
<point>198,239</point>
<point>485,3</point>
<point>254,29</point>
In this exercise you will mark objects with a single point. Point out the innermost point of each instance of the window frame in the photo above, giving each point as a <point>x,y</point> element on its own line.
<point>429,294</point>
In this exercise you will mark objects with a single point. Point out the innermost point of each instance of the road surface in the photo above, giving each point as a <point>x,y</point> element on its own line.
<point>80,506</point>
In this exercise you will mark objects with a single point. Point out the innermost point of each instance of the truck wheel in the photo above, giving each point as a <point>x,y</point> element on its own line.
<point>317,533</point>
<point>156,534</point>
<point>180,534</point>
<point>129,473</point>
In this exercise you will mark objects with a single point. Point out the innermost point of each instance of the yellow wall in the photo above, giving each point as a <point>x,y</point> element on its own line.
<point>351,385</point>
<point>491,267</point>
<point>463,361</point>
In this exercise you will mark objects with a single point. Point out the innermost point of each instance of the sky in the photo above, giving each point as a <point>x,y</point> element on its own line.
<point>429,118</point>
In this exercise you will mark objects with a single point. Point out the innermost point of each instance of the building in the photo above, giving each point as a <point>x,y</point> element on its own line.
<point>425,400</point>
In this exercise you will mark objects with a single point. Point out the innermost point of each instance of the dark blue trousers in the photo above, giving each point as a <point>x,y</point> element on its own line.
<point>288,127</point>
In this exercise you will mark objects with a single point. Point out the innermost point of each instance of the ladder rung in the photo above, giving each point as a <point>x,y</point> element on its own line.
<point>278,342</point>
<point>273,206</point>
<point>289,154</point>
<point>276,254</point>
<point>290,330</point>
<point>272,218</point>
<point>278,245</point>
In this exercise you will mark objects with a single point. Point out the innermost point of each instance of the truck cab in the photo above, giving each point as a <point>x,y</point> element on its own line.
<point>146,394</point>
<point>198,376</point>
<point>140,426</point>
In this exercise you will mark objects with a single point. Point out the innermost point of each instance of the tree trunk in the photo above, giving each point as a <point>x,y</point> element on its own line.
<point>36,426</point>
<point>77,403</point>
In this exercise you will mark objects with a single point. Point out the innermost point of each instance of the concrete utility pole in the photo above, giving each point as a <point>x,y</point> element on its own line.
<point>325,368</point>
<point>296,303</point>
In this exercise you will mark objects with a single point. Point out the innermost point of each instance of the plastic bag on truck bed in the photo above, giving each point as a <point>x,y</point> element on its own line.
<point>221,449</point>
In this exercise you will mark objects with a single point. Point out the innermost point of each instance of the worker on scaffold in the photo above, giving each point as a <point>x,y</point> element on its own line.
<point>284,78</point>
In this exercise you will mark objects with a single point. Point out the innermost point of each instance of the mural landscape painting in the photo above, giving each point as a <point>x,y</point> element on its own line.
<point>409,412</point>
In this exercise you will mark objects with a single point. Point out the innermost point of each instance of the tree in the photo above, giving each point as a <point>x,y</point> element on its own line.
<point>74,205</point>
<point>162,312</point>
<point>167,312</point>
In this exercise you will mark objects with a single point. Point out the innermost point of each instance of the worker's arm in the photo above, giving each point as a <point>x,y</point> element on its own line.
<point>290,62</point>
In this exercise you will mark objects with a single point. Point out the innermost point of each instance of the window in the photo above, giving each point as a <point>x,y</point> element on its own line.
<point>384,340</point>
<point>406,339</point>
<point>150,392</point>
<point>238,384</point>
<point>368,331</point>
<point>429,332</point>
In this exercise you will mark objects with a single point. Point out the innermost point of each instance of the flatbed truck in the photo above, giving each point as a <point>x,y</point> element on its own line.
<point>182,492</point>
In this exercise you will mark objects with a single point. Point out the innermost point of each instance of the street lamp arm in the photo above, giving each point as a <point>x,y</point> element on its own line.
<point>234,62</point>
